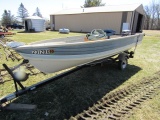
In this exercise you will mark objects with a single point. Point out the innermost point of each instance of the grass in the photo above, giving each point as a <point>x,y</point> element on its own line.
<point>150,110</point>
<point>149,62</point>
<point>21,36</point>
<point>32,37</point>
<point>74,93</point>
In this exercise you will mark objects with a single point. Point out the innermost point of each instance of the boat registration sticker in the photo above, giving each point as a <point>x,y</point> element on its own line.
<point>43,51</point>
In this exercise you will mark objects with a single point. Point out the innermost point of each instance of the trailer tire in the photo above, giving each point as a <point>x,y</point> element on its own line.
<point>122,64</point>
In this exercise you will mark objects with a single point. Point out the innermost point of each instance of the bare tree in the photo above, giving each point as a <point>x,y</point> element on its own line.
<point>7,18</point>
<point>147,17</point>
<point>152,18</point>
<point>153,13</point>
<point>158,15</point>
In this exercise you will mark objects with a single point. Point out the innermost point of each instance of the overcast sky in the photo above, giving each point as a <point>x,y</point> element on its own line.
<point>48,7</point>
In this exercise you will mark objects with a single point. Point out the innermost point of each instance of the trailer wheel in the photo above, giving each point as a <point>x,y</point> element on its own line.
<point>122,64</point>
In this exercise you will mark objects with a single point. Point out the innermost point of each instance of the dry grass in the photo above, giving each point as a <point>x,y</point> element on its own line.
<point>74,93</point>
<point>27,38</point>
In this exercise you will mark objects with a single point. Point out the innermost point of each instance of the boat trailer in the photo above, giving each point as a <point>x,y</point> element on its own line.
<point>122,63</point>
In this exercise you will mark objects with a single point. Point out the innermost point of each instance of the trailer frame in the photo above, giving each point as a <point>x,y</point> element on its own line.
<point>121,57</point>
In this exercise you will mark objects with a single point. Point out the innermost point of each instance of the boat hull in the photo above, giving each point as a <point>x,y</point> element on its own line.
<point>53,57</point>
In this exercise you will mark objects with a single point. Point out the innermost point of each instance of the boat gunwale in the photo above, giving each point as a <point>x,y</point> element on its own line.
<point>42,45</point>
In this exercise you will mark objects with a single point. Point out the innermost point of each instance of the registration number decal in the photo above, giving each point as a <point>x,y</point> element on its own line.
<point>43,51</point>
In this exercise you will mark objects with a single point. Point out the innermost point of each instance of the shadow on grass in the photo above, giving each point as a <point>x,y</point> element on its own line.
<point>72,94</point>
<point>28,32</point>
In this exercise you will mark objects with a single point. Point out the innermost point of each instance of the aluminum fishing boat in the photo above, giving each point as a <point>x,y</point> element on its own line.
<point>57,54</point>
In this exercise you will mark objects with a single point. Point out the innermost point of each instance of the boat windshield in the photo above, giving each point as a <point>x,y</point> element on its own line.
<point>96,34</point>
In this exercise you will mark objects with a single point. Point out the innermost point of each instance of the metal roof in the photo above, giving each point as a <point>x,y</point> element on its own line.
<point>109,8</point>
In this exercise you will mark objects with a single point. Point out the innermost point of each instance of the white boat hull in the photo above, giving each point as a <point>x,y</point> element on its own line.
<point>51,64</point>
<point>68,55</point>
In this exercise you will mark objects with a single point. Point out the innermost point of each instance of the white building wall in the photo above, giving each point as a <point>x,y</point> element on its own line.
<point>38,25</point>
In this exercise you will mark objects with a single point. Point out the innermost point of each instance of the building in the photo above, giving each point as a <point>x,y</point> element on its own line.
<point>106,17</point>
<point>35,23</point>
